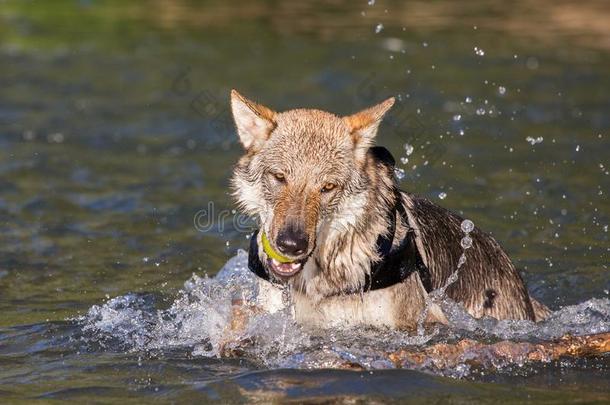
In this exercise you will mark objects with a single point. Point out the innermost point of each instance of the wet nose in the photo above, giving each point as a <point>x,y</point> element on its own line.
<point>292,241</point>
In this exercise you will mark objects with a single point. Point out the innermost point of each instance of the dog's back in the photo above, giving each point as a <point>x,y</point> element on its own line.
<point>488,282</point>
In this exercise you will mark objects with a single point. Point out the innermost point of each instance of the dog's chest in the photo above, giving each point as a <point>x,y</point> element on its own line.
<point>374,308</point>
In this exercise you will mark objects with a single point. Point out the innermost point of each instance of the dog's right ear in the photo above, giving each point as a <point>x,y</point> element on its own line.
<point>254,121</point>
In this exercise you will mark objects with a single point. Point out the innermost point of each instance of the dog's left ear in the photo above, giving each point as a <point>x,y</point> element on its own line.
<point>254,121</point>
<point>364,124</point>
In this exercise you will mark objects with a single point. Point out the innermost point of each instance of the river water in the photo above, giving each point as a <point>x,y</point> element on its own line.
<point>116,146</point>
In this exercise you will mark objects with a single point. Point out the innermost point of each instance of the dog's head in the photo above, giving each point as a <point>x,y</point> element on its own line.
<point>299,167</point>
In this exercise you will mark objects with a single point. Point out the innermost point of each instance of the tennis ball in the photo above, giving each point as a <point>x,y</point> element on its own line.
<point>271,252</point>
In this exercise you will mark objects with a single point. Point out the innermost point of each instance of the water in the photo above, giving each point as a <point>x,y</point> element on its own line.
<point>114,134</point>
<point>199,319</point>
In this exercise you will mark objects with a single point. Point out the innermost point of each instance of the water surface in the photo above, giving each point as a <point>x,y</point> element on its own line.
<point>115,132</point>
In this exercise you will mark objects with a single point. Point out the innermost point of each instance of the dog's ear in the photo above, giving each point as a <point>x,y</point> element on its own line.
<point>254,121</point>
<point>364,124</point>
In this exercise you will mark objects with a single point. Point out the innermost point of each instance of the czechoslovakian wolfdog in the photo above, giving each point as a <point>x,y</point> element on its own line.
<point>334,226</point>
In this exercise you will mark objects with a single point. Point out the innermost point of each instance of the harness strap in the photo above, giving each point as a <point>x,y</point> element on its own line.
<point>395,266</point>
<point>254,262</point>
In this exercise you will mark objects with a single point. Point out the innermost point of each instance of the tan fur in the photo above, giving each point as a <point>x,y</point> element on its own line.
<point>290,157</point>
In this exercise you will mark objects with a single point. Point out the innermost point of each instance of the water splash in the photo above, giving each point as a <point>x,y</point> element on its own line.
<point>435,297</point>
<point>199,321</point>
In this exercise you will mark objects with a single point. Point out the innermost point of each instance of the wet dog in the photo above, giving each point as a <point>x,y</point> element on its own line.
<point>334,226</point>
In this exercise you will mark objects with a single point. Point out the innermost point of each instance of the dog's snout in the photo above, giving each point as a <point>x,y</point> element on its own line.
<point>292,241</point>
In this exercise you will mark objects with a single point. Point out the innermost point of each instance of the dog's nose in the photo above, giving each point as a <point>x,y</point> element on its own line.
<point>292,241</point>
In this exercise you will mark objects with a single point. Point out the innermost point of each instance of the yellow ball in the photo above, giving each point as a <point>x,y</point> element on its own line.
<point>272,253</point>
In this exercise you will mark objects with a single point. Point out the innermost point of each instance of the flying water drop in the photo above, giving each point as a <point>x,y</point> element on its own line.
<point>479,51</point>
<point>408,149</point>
<point>467,226</point>
<point>534,141</point>
<point>466,242</point>
<point>399,173</point>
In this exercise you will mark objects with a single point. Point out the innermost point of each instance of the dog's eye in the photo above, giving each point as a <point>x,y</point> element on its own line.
<point>328,187</point>
<point>279,177</point>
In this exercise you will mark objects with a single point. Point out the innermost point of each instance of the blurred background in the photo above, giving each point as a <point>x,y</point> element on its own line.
<point>115,130</point>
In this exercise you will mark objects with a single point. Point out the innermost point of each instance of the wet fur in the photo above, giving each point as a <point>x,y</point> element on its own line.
<point>313,147</point>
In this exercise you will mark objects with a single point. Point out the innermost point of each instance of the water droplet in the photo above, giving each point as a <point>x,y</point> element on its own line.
<point>468,100</point>
<point>57,137</point>
<point>502,90</point>
<point>480,111</point>
<point>532,63</point>
<point>404,160</point>
<point>534,141</point>
<point>479,51</point>
<point>467,226</point>
<point>457,117</point>
<point>378,28</point>
<point>577,148</point>
<point>442,195</point>
<point>408,149</point>
<point>461,132</point>
<point>371,2</point>
<point>466,242</point>
<point>399,173</point>
<point>29,135</point>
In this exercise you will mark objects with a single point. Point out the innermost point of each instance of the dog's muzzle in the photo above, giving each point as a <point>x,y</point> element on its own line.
<point>280,265</point>
<point>271,265</point>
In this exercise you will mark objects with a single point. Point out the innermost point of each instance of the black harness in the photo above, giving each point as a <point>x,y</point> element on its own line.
<point>394,266</point>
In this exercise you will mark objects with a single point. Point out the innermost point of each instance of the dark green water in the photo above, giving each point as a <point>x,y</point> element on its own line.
<point>115,131</point>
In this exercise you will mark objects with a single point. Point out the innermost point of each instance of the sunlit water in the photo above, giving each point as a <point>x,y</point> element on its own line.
<point>115,135</point>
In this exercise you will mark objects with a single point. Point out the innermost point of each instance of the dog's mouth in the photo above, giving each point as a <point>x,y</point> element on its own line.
<point>280,265</point>
<point>285,270</point>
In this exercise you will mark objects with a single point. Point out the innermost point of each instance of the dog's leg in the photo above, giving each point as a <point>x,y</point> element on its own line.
<point>233,340</point>
<point>412,300</point>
